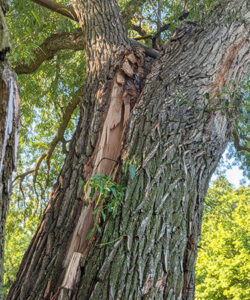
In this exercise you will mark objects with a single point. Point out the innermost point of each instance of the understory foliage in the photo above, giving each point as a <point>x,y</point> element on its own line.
<point>45,94</point>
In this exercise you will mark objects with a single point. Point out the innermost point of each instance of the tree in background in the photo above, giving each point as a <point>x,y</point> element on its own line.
<point>223,261</point>
<point>125,212</point>
<point>9,128</point>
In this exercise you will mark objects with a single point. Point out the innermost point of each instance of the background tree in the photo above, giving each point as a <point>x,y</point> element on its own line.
<point>178,165</point>
<point>9,128</point>
<point>222,265</point>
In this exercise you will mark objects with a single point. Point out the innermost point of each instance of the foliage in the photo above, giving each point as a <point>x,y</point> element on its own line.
<point>44,96</point>
<point>222,270</point>
<point>22,222</point>
<point>242,126</point>
<point>108,196</point>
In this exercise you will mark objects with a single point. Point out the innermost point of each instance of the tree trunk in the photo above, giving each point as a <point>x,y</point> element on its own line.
<point>175,135</point>
<point>9,128</point>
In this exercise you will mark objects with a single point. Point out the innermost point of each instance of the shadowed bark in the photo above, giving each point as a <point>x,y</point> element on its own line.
<point>174,136</point>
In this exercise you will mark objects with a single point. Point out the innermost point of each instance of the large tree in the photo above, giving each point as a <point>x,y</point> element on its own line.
<point>166,119</point>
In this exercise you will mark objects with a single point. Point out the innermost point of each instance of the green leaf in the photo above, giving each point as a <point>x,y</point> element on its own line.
<point>92,192</point>
<point>90,233</point>
<point>113,190</point>
<point>132,170</point>
<point>81,182</point>
<point>103,216</point>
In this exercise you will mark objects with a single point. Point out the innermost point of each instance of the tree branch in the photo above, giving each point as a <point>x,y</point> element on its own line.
<point>47,50</point>
<point>58,8</point>
<point>59,137</point>
<point>236,139</point>
<point>62,41</point>
<point>35,169</point>
<point>139,29</point>
<point>65,121</point>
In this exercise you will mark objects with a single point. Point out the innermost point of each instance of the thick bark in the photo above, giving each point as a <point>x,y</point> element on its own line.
<point>9,129</point>
<point>175,134</point>
<point>178,139</point>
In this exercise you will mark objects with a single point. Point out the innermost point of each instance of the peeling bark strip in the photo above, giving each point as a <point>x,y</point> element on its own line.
<point>9,137</point>
<point>127,85</point>
<point>149,250</point>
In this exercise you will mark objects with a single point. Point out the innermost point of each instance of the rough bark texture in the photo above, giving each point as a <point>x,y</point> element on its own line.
<point>177,139</point>
<point>175,135</point>
<point>9,128</point>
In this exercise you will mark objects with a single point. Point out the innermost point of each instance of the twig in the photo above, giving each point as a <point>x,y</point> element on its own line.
<point>156,12</point>
<point>59,137</point>
<point>236,139</point>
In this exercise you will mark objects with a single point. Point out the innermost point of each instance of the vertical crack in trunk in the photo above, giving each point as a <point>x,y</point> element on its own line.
<point>126,88</point>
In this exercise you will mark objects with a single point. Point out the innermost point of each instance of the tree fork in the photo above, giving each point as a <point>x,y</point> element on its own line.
<point>175,138</point>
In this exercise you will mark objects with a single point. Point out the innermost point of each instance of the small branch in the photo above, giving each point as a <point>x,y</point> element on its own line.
<point>159,25</point>
<point>149,51</point>
<point>65,121</point>
<point>236,139</point>
<point>138,29</point>
<point>58,8</point>
<point>21,176</point>
<point>156,12</point>
<point>158,34</point>
<point>145,37</point>
<point>59,137</point>
<point>38,163</point>
<point>35,169</point>
<point>47,50</point>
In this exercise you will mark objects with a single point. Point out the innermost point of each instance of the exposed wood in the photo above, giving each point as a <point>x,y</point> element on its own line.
<point>71,273</point>
<point>124,95</point>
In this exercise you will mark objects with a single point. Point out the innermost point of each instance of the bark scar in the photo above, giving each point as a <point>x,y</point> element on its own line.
<point>222,76</point>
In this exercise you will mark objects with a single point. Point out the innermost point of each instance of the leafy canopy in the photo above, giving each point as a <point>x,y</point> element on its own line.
<point>223,268</point>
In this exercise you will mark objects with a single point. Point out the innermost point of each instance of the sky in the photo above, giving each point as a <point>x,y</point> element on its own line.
<point>233,175</point>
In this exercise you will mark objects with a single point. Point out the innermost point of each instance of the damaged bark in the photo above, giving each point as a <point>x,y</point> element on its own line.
<point>9,129</point>
<point>169,126</point>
